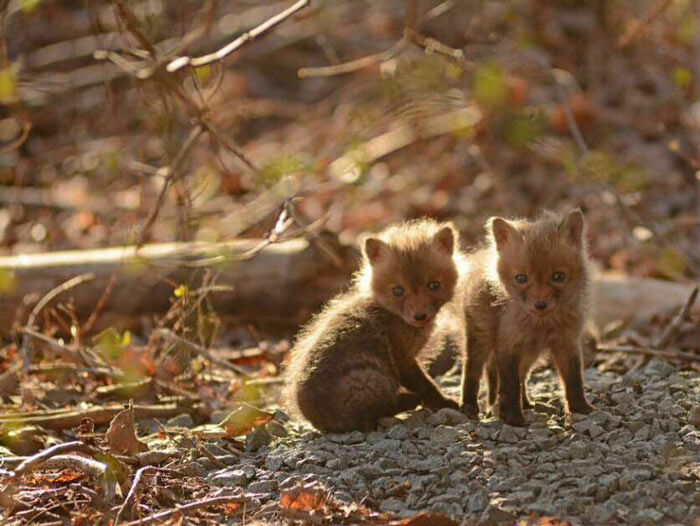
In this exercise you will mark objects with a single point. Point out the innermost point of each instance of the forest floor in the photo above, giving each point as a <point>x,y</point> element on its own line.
<point>533,105</point>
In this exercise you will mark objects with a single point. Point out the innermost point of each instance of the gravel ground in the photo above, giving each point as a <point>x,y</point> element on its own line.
<point>635,460</point>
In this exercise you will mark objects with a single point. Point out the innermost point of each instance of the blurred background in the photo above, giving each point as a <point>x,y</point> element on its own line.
<point>501,107</point>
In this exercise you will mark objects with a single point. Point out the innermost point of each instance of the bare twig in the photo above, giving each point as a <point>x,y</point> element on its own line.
<point>638,27</point>
<point>169,335</point>
<point>236,44</point>
<point>564,81</point>
<point>132,25</point>
<point>674,327</point>
<point>411,35</point>
<point>100,304</point>
<point>67,351</point>
<point>354,65</point>
<point>84,464</point>
<point>214,132</point>
<point>131,496</point>
<point>171,173</point>
<point>39,458</point>
<point>63,287</point>
<point>628,349</point>
<point>205,503</point>
<point>66,419</point>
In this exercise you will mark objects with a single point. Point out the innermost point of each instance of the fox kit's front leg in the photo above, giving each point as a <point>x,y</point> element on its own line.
<point>509,396</point>
<point>567,359</point>
<point>475,357</point>
<point>414,378</point>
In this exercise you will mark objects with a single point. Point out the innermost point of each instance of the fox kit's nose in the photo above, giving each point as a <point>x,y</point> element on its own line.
<point>420,316</point>
<point>541,305</point>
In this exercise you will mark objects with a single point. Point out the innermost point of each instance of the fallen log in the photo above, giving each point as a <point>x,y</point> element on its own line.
<point>279,286</point>
<point>620,297</point>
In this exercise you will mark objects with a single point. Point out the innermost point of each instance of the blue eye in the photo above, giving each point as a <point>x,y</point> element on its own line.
<point>558,276</point>
<point>433,286</point>
<point>398,291</point>
<point>521,278</point>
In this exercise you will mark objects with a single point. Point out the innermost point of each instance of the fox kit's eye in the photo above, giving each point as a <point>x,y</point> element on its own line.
<point>521,278</point>
<point>434,285</point>
<point>558,276</point>
<point>398,291</point>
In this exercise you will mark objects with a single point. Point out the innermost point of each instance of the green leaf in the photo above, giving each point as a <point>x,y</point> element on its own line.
<point>181,291</point>
<point>683,77</point>
<point>29,6</point>
<point>490,88</point>
<point>8,280</point>
<point>8,85</point>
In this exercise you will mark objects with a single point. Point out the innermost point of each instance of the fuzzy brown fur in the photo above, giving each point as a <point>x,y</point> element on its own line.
<point>511,323</point>
<point>357,360</point>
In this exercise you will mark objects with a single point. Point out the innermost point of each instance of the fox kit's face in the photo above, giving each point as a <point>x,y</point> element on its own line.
<point>542,265</point>
<point>413,278</point>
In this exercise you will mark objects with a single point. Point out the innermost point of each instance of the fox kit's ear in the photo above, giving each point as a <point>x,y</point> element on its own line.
<point>444,239</point>
<point>572,227</point>
<point>501,231</point>
<point>375,250</point>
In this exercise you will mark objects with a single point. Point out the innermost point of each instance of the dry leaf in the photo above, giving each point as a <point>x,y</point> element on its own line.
<point>428,519</point>
<point>303,500</point>
<point>121,435</point>
<point>245,418</point>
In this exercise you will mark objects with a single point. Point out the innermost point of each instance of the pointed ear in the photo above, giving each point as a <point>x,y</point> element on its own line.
<point>502,232</point>
<point>572,227</point>
<point>375,250</point>
<point>445,238</point>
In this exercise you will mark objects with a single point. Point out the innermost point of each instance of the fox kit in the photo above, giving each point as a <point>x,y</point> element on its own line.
<point>526,294</point>
<point>357,360</point>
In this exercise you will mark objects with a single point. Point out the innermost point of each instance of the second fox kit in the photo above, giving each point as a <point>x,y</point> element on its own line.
<point>525,295</point>
<point>356,361</point>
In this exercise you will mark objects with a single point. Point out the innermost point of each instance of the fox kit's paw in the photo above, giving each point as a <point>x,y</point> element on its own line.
<point>407,401</point>
<point>582,407</point>
<point>448,402</point>
<point>471,410</point>
<point>513,418</point>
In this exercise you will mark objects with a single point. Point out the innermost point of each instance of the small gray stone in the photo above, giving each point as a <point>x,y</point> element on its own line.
<point>257,438</point>
<point>649,516</point>
<point>444,435</point>
<point>274,463</point>
<point>276,429</point>
<point>263,486</point>
<point>508,434</point>
<point>595,430</point>
<point>391,505</point>
<point>236,477</point>
<point>398,432</point>
<point>694,416</point>
<point>447,416</point>
<point>659,368</point>
<point>182,420</point>
<point>354,437</point>
<point>578,449</point>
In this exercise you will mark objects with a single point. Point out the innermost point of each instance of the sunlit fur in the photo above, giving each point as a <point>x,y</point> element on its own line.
<point>356,361</point>
<point>539,249</point>
<point>504,327</point>
<point>411,255</point>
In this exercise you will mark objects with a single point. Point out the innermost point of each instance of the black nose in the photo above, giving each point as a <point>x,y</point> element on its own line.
<point>420,316</point>
<point>541,305</point>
